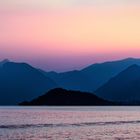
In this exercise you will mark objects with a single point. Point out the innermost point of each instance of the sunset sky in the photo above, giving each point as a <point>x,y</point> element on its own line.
<point>63,35</point>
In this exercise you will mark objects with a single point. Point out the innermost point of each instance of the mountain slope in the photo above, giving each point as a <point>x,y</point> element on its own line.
<point>60,96</point>
<point>20,81</point>
<point>123,87</point>
<point>101,73</point>
<point>92,77</point>
<point>73,80</point>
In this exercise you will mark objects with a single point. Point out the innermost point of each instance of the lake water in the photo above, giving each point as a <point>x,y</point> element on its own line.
<point>69,123</point>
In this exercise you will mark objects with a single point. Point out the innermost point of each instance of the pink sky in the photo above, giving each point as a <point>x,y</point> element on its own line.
<point>63,35</point>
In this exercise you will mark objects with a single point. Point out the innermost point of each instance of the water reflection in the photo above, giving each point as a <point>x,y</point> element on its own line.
<point>70,123</point>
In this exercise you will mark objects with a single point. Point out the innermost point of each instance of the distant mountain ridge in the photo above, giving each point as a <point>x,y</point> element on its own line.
<point>20,81</point>
<point>4,62</point>
<point>73,80</point>
<point>123,87</point>
<point>60,96</point>
<point>92,77</point>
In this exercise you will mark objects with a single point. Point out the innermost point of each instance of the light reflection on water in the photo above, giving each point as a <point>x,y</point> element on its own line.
<point>69,123</point>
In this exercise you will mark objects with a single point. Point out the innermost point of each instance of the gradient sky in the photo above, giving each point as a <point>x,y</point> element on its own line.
<point>69,34</point>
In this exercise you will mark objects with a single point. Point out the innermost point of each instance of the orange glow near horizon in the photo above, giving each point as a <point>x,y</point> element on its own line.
<point>73,31</point>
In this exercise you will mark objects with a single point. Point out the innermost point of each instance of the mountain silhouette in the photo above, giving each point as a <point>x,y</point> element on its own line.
<point>60,96</point>
<point>72,80</point>
<point>20,81</point>
<point>123,87</point>
<point>4,61</point>
<point>91,78</point>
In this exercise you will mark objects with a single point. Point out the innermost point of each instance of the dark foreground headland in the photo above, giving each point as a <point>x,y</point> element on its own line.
<point>61,96</point>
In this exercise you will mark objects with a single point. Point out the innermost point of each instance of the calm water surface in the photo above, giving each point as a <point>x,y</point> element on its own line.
<point>69,123</point>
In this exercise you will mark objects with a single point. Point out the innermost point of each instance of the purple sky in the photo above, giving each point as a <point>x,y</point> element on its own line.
<point>64,35</point>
